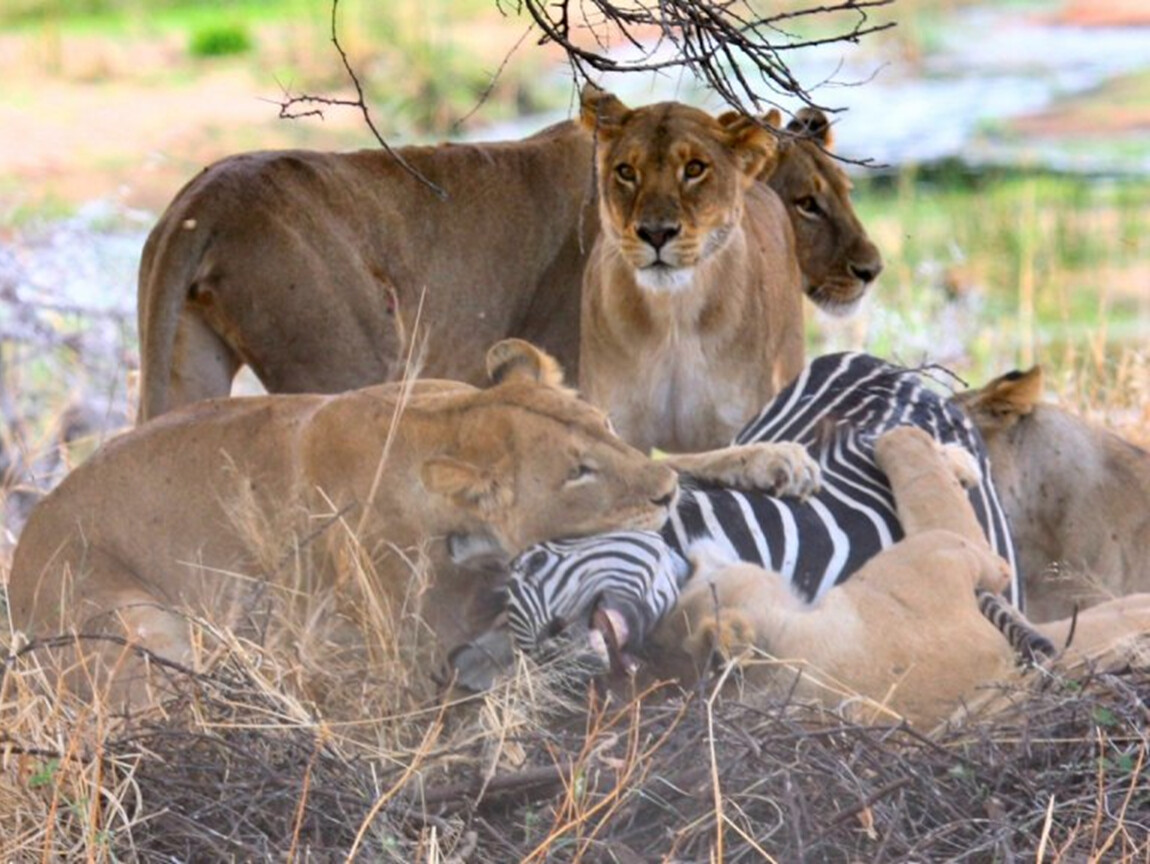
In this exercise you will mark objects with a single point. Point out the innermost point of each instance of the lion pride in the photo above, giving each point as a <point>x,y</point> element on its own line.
<point>325,271</point>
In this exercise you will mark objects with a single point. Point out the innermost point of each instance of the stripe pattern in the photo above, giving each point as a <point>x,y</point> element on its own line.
<point>837,408</point>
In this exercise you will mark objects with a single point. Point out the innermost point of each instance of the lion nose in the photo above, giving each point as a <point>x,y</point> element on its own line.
<point>656,236</point>
<point>865,272</point>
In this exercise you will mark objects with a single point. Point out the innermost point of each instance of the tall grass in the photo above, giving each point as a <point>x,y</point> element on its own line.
<point>1001,270</point>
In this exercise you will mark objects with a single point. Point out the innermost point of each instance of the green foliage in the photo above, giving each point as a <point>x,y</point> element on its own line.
<point>220,40</point>
<point>1021,266</point>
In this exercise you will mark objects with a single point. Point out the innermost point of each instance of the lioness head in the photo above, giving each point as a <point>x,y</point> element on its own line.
<point>837,258</point>
<point>671,182</point>
<point>532,462</point>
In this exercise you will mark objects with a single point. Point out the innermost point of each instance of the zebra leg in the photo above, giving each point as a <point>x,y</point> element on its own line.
<point>927,493</point>
<point>779,468</point>
<point>1026,641</point>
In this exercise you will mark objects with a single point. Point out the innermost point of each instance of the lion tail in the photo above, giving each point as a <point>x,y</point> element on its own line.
<point>172,254</point>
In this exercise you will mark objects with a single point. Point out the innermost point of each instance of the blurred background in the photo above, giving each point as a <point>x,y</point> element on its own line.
<point>1004,150</point>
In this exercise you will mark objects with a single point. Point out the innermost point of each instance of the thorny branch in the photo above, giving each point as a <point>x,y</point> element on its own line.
<point>728,44</point>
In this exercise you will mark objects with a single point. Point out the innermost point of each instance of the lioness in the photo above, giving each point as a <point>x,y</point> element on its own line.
<point>692,296</point>
<point>905,632</point>
<point>149,528</point>
<point>837,258</point>
<point>1078,496</point>
<point>318,269</point>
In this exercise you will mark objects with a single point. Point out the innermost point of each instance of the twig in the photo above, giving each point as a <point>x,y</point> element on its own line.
<point>289,103</point>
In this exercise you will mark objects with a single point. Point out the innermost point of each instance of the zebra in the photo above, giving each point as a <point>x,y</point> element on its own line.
<point>837,408</point>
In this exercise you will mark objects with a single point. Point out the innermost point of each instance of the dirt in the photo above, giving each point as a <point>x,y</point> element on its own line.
<point>133,125</point>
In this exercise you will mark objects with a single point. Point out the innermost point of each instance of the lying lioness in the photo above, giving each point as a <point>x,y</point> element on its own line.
<point>154,525</point>
<point>905,632</point>
<point>1077,495</point>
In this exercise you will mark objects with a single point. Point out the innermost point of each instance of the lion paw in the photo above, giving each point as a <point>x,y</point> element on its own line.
<point>781,468</point>
<point>726,633</point>
<point>962,464</point>
<point>784,469</point>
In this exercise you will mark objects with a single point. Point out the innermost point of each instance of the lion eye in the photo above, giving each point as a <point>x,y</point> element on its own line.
<point>582,471</point>
<point>808,205</point>
<point>625,172</point>
<point>694,169</point>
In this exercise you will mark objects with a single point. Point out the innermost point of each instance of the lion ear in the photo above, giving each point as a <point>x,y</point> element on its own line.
<point>512,359</point>
<point>755,148</point>
<point>465,485</point>
<point>811,123</point>
<point>1005,399</point>
<point>601,112</point>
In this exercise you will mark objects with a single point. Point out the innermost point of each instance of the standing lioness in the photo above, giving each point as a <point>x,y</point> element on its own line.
<point>692,297</point>
<point>318,270</point>
<point>158,522</point>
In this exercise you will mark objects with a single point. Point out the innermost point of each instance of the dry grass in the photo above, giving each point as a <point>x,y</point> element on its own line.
<point>321,736</point>
<point>236,767</point>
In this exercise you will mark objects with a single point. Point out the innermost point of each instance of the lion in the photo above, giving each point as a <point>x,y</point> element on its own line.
<point>904,633</point>
<point>1077,496</point>
<point>838,260</point>
<point>147,530</point>
<point>326,271</point>
<point>692,313</point>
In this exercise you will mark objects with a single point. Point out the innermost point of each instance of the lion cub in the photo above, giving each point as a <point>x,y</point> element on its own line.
<point>692,298</point>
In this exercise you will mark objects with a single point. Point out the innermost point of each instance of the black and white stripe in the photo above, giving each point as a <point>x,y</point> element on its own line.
<point>837,408</point>
<point>555,583</point>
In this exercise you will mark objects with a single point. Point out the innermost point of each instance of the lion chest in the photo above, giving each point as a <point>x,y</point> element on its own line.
<point>679,399</point>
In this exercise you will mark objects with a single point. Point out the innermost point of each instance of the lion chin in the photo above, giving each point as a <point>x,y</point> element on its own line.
<point>834,301</point>
<point>660,278</point>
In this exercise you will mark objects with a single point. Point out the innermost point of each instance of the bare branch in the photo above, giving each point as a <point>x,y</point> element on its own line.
<point>709,38</point>
<point>290,104</point>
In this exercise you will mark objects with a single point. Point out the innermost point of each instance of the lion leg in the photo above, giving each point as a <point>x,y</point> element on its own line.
<point>119,626</point>
<point>203,364</point>
<point>928,494</point>
<point>780,468</point>
<point>724,610</point>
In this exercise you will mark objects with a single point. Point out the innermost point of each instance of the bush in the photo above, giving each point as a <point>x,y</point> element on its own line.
<point>220,40</point>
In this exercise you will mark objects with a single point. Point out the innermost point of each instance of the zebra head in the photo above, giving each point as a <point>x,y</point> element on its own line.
<point>604,591</point>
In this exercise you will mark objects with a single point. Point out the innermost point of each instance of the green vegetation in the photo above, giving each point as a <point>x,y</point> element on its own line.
<point>1006,269</point>
<point>220,40</point>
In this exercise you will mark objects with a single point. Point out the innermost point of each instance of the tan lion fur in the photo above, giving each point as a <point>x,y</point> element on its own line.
<point>1077,496</point>
<point>692,297</point>
<point>1114,631</point>
<point>319,269</point>
<point>904,633</point>
<point>837,258</point>
<point>149,529</point>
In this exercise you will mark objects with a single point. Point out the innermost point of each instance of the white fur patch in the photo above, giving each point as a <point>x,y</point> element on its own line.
<point>665,280</point>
